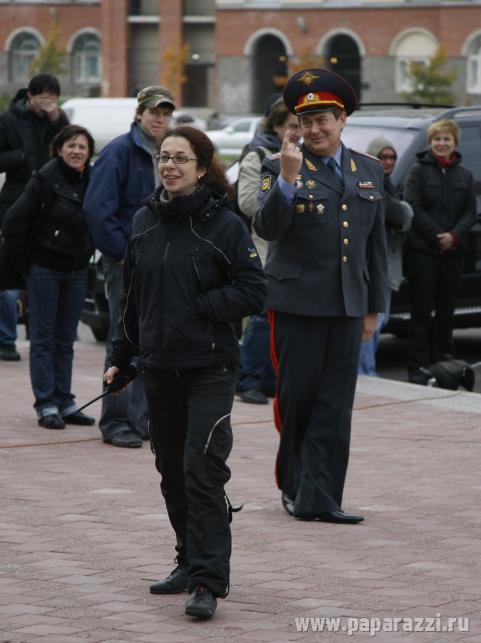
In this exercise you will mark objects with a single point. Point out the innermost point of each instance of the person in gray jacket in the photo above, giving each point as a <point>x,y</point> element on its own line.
<point>257,378</point>
<point>321,207</point>
<point>399,215</point>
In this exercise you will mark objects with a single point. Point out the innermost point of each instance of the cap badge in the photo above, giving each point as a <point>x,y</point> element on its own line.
<point>310,166</point>
<point>353,165</point>
<point>308,78</point>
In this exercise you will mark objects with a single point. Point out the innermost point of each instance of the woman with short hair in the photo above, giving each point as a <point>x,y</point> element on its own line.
<point>441,192</point>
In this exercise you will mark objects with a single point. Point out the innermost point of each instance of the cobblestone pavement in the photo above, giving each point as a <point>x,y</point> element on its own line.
<point>83,529</point>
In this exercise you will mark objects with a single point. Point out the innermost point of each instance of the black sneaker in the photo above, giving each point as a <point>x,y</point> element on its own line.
<point>8,353</point>
<point>79,418</point>
<point>175,583</point>
<point>253,396</point>
<point>202,603</point>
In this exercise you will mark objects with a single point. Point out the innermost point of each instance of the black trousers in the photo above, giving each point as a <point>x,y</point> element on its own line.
<point>317,360</point>
<point>191,437</point>
<point>433,280</point>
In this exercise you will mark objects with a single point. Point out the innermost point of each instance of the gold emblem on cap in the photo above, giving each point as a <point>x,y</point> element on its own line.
<point>310,166</point>
<point>307,78</point>
<point>353,165</point>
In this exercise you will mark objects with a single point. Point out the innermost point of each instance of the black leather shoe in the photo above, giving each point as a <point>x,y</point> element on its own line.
<point>8,353</point>
<point>125,439</point>
<point>175,583</point>
<point>340,517</point>
<point>51,421</point>
<point>253,396</point>
<point>418,376</point>
<point>288,504</point>
<point>79,418</point>
<point>202,603</point>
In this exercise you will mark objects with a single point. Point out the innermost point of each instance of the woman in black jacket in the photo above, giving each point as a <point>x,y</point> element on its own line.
<point>47,240</point>
<point>441,192</point>
<point>190,270</point>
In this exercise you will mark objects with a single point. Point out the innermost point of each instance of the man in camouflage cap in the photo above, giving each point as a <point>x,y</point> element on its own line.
<point>123,177</point>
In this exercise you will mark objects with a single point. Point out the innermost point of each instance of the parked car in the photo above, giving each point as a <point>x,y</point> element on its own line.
<point>107,118</point>
<point>231,139</point>
<point>406,128</point>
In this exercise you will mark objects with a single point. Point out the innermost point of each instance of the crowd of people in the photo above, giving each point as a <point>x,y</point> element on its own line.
<point>313,270</point>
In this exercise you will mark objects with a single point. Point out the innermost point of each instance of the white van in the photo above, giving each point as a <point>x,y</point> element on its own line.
<point>107,118</point>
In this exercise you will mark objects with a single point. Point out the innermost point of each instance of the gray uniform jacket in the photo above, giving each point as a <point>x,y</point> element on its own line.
<point>327,250</point>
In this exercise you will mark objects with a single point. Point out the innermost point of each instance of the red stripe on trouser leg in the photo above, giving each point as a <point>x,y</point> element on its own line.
<point>271,316</point>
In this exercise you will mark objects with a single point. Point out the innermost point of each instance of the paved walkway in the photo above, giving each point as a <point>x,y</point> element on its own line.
<point>83,529</point>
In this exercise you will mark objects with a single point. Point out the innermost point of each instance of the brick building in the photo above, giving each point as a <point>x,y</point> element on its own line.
<point>241,50</point>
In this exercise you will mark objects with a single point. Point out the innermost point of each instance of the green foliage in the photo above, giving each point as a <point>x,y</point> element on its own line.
<point>51,57</point>
<point>431,82</point>
<point>4,102</point>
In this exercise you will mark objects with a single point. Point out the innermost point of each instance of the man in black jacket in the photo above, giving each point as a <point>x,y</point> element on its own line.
<point>26,130</point>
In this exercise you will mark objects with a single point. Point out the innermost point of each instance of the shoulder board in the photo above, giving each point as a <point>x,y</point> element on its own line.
<point>365,154</point>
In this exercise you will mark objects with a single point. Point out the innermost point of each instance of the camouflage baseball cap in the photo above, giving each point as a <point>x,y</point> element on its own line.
<point>153,96</point>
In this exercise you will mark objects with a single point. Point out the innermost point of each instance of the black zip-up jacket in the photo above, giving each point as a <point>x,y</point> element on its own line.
<point>47,225</point>
<point>191,270</point>
<point>25,138</point>
<point>443,200</point>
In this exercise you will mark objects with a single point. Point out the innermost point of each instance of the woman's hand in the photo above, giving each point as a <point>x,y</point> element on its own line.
<point>369,326</point>
<point>446,241</point>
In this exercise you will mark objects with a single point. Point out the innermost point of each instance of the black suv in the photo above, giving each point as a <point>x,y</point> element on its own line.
<point>406,128</point>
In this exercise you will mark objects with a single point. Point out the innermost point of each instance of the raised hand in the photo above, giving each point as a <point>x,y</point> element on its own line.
<point>290,158</point>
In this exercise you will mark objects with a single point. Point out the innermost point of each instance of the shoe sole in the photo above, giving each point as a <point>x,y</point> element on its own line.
<point>192,611</point>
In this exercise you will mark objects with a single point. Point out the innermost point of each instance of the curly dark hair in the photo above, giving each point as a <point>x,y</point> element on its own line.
<point>68,132</point>
<point>214,177</point>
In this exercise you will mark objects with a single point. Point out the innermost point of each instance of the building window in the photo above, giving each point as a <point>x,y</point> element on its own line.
<point>23,49</point>
<point>473,62</point>
<point>416,47</point>
<point>86,59</point>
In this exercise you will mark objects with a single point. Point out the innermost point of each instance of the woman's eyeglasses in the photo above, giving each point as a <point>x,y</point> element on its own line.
<point>178,159</point>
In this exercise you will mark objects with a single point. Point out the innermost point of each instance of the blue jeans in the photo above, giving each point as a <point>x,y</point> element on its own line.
<point>256,368</point>
<point>127,410</point>
<point>8,317</point>
<point>55,301</point>
<point>367,358</point>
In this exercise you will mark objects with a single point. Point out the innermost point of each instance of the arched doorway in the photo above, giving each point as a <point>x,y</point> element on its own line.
<point>269,70</point>
<point>342,56</point>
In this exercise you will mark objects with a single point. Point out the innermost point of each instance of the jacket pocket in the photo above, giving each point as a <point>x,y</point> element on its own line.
<point>369,201</point>
<point>282,271</point>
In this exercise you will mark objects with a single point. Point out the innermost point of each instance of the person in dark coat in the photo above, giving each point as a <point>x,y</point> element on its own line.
<point>321,208</point>
<point>257,378</point>
<point>26,131</point>
<point>124,176</point>
<point>398,218</point>
<point>190,270</point>
<point>49,242</point>
<point>441,192</point>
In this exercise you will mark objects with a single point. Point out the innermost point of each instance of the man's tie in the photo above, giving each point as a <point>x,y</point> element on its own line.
<point>332,165</point>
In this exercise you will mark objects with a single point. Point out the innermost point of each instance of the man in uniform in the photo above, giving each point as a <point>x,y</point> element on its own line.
<point>321,209</point>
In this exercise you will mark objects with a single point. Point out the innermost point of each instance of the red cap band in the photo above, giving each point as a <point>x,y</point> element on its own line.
<point>313,99</point>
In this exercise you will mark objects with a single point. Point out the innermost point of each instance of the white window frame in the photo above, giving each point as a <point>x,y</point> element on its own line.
<point>404,83</point>
<point>473,71</point>
<point>80,59</point>
<point>20,61</point>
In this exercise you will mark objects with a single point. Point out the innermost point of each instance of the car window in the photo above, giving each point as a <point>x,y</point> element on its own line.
<point>241,126</point>
<point>470,149</point>
<point>358,137</point>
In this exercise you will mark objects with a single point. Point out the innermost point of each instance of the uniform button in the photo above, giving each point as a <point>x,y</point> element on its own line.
<point>371,197</point>
<point>345,224</point>
<point>311,196</point>
<point>346,242</point>
<point>344,259</point>
<point>344,207</point>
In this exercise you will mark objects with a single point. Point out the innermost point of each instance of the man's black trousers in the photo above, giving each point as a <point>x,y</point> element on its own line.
<point>191,437</point>
<point>317,361</point>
